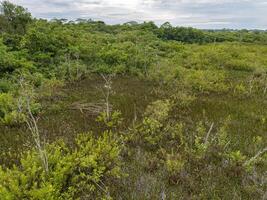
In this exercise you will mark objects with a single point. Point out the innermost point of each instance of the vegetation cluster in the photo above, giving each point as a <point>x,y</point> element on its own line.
<point>158,156</point>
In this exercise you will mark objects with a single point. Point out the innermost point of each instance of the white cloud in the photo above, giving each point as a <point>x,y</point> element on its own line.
<point>197,13</point>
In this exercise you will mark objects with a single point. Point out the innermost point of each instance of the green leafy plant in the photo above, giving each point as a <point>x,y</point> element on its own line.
<point>80,172</point>
<point>115,119</point>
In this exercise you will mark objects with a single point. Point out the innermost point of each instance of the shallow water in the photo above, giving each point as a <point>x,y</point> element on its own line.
<point>248,116</point>
<point>131,96</point>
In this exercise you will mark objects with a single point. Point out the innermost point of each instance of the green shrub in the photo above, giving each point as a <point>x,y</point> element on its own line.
<point>5,86</point>
<point>9,113</point>
<point>151,127</point>
<point>158,110</point>
<point>196,156</point>
<point>175,165</point>
<point>240,65</point>
<point>205,80</point>
<point>82,171</point>
<point>114,121</point>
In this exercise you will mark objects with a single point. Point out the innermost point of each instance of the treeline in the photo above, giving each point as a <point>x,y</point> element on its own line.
<point>182,34</point>
<point>44,54</point>
<point>15,19</point>
<point>26,42</point>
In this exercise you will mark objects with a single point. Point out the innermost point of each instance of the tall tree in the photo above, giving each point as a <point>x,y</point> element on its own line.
<point>13,18</point>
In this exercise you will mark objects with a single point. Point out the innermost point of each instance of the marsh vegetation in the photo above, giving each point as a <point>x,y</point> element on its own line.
<point>131,111</point>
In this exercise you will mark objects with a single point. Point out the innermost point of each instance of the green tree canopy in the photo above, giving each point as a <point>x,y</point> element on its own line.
<point>13,18</point>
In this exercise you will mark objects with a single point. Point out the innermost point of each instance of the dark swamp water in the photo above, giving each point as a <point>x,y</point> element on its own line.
<point>60,120</point>
<point>131,96</point>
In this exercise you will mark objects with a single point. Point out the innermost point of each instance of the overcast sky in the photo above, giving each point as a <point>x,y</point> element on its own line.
<point>250,14</point>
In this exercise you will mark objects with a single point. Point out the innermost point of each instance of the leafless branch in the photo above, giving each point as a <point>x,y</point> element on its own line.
<point>208,134</point>
<point>256,156</point>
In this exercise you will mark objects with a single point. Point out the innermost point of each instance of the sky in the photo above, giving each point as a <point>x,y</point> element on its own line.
<point>204,14</point>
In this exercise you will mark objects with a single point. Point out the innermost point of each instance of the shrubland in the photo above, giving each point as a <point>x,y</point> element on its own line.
<point>158,155</point>
<point>83,171</point>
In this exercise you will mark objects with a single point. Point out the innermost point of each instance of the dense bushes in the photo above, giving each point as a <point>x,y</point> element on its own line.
<point>13,19</point>
<point>47,52</point>
<point>83,171</point>
<point>183,158</point>
<point>11,61</point>
<point>8,110</point>
<point>192,35</point>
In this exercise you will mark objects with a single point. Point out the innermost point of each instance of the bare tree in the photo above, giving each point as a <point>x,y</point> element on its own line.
<point>32,125</point>
<point>106,91</point>
<point>24,106</point>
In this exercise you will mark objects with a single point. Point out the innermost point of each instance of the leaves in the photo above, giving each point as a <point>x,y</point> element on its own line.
<point>79,171</point>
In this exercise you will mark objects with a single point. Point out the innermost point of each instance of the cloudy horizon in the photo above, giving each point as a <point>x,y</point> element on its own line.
<point>205,14</point>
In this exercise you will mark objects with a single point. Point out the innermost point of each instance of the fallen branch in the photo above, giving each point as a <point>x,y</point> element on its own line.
<point>255,157</point>
<point>208,134</point>
<point>92,108</point>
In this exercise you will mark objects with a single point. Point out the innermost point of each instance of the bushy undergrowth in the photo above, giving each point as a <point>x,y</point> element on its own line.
<point>158,156</point>
<point>200,163</point>
<point>41,50</point>
<point>162,156</point>
<point>83,171</point>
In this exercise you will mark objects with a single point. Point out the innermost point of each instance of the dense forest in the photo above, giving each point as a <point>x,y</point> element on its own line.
<point>130,111</point>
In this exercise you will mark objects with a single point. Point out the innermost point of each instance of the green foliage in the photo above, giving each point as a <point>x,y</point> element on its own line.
<point>9,114</point>
<point>74,173</point>
<point>158,110</point>
<point>192,158</point>
<point>192,35</point>
<point>14,104</point>
<point>205,80</point>
<point>236,157</point>
<point>155,115</point>
<point>188,35</point>
<point>45,43</point>
<point>11,61</point>
<point>188,156</point>
<point>229,56</point>
<point>114,120</point>
<point>175,165</point>
<point>71,71</point>
<point>5,86</point>
<point>13,19</point>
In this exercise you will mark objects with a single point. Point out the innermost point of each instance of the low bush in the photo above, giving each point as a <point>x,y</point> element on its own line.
<point>193,158</point>
<point>9,113</point>
<point>84,171</point>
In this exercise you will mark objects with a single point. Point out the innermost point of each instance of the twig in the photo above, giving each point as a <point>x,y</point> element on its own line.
<point>208,134</point>
<point>256,156</point>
